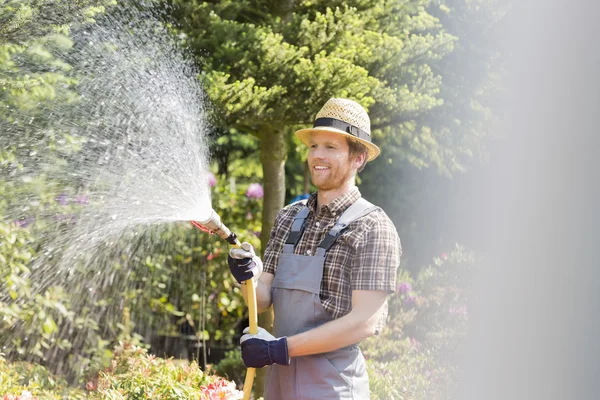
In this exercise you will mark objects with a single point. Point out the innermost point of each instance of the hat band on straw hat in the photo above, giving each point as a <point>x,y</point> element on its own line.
<point>343,126</point>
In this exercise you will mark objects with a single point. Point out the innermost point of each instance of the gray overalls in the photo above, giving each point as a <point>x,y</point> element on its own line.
<point>340,374</point>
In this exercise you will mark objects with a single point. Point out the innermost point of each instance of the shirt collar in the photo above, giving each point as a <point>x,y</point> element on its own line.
<point>337,206</point>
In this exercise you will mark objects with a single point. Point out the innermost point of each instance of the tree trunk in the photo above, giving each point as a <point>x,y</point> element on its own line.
<point>272,157</point>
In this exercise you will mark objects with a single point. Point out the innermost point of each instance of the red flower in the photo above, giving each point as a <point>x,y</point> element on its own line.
<point>91,386</point>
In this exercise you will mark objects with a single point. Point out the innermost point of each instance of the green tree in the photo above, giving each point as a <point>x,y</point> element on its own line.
<point>33,79</point>
<point>428,193</point>
<point>270,65</point>
<point>36,78</point>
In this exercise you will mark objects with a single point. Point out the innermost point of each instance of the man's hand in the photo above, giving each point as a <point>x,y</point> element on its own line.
<point>244,264</point>
<point>262,349</point>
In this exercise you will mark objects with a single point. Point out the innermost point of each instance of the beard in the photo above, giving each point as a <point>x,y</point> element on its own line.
<point>336,178</point>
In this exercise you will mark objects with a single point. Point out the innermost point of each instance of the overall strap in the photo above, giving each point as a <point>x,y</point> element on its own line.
<point>359,209</point>
<point>297,229</point>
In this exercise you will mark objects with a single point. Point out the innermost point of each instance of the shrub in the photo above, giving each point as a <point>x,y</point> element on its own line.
<point>28,381</point>
<point>39,316</point>
<point>133,374</point>
<point>415,357</point>
<point>411,375</point>
<point>55,325</point>
<point>232,367</point>
<point>167,284</point>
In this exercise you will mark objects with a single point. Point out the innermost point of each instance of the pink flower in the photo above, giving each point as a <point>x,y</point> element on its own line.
<point>460,310</point>
<point>221,390</point>
<point>81,199</point>
<point>24,223</point>
<point>91,386</point>
<point>212,181</point>
<point>416,345</point>
<point>62,199</point>
<point>26,395</point>
<point>404,287</point>
<point>255,191</point>
<point>444,256</point>
<point>409,300</point>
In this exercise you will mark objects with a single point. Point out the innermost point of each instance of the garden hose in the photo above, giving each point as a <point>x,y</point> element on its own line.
<point>253,317</point>
<point>214,225</point>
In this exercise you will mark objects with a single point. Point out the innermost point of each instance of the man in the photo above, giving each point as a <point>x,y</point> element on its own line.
<point>328,268</point>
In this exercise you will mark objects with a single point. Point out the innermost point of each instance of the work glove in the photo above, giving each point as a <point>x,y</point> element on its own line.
<point>263,349</point>
<point>244,264</point>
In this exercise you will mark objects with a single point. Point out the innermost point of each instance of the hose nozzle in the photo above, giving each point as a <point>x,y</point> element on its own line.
<point>214,225</point>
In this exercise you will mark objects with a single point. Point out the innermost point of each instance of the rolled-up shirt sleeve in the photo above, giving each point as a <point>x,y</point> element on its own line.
<point>377,256</point>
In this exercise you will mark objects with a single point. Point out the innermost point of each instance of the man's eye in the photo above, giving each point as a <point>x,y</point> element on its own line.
<point>313,146</point>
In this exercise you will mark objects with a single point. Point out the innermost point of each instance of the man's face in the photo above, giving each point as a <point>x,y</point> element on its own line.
<point>329,160</point>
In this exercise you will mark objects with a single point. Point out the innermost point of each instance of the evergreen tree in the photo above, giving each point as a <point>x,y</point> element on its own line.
<point>268,67</point>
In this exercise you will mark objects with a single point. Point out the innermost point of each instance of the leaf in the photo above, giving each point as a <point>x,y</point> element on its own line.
<point>49,326</point>
<point>61,308</point>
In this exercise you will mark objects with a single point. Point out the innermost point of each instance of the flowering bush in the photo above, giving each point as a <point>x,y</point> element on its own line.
<point>42,318</point>
<point>134,374</point>
<point>255,191</point>
<point>168,283</point>
<point>415,356</point>
<point>162,287</point>
<point>27,381</point>
<point>232,367</point>
<point>212,180</point>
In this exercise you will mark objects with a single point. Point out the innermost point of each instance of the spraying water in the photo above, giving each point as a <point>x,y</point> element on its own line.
<point>125,153</point>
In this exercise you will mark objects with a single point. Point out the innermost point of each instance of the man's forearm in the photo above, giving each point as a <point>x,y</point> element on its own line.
<point>358,324</point>
<point>333,335</point>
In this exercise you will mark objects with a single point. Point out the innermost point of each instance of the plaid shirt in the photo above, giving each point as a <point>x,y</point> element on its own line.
<point>364,257</point>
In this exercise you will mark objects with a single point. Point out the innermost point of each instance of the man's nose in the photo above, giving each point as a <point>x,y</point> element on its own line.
<point>318,153</point>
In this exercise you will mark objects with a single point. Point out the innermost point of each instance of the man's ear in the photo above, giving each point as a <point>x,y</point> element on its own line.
<point>359,159</point>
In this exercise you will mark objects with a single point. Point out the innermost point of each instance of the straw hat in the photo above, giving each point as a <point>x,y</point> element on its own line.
<point>347,118</point>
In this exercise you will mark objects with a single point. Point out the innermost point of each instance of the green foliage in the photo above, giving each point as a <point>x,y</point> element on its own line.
<point>416,355</point>
<point>133,374</point>
<point>169,283</point>
<point>28,379</point>
<point>412,374</point>
<point>427,70</point>
<point>232,367</point>
<point>268,66</point>
<point>23,20</point>
<point>41,319</point>
<point>417,193</point>
<point>34,74</point>
<point>37,314</point>
<point>442,302</point>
